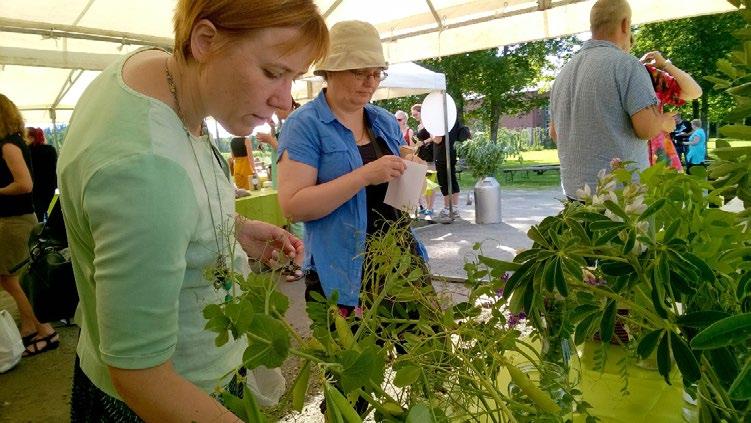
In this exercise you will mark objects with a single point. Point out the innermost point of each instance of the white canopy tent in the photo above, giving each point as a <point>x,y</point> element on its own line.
<point>47,46</point>
<point>403,79</point>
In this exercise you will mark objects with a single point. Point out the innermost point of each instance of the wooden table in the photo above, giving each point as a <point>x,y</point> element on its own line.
<point>261,205</point>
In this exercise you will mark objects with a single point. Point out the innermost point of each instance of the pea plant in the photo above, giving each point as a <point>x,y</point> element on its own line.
<point>405,356</point>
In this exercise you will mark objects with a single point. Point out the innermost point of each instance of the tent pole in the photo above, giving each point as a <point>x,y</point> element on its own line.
<point>447,145</point>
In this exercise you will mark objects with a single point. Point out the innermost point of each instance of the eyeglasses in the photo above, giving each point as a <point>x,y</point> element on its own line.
<point>377,75</point>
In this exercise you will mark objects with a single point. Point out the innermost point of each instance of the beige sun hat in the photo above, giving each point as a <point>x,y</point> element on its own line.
<point>354,45</point>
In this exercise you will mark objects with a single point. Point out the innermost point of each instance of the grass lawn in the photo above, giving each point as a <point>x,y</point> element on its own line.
<point>530,180</point>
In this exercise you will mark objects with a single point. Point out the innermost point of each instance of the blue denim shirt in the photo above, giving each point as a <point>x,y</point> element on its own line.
<point>335,243</point>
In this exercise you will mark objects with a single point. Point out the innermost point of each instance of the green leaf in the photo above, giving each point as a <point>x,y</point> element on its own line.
<point>300,387</point>
<point>560,281</point>
<point>657,296</point>
<point>743,90</point>
<point>236,405</point>
<point>652,209</point>
<point>728,331</point>
<point>741,132</point>
<point>725,364</point>
<point>549,274</point>
<point>578,230</point>
<point>607,324</point>
<point>581,311</point>
<point>222,338</point>
<point>495,264</point>
<point>211,311</point>
<point>584,328</point>
<point>648,343</point>
<point>685,359</point>
<point>534,234</point>
<point>700,319</point>
<point>361,369</point>
<point>407,376</point>
<point>741,387</point>
<point>744,286</point>
<point>604,225</point>
<point>703,269</point>
<point>671,230</point>
<point>616,268</point>
<point>269,345</point>
<point>617,210</point>
<point>630,241</point>
<point>420,413</point>
<point>664,363</point>
<point>520,277</point>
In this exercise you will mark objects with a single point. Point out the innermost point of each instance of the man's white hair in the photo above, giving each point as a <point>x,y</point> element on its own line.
<point>606,14</point>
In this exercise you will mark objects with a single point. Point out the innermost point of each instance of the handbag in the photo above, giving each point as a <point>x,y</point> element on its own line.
<point>11,346</point>
<point>48,280</point>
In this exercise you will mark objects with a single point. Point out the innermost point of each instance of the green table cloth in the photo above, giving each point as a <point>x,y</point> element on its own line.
<point>261,205</point>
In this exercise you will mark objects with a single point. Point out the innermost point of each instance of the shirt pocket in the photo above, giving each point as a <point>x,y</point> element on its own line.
<point>335,160</point>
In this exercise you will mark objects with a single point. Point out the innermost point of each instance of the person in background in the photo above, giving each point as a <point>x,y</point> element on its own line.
<point>697,146</point>
<point>447,173</point>
<point>602,104</point>
<point>407,132</point>
<point>271,139</point>
<point>241,162</point>
<point>17,220</point>
<point>673,87</point>
<point>44,161</point>
<point>424,143</point>
<point>149,208</point>
<point>680,136</point>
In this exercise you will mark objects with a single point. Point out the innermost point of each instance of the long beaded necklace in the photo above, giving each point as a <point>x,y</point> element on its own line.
<point>220,273</point>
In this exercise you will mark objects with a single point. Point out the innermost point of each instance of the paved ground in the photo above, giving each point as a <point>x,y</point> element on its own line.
<point>38,389</point>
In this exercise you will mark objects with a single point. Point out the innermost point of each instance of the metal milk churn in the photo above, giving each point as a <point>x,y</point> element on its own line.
<point>487,201</point>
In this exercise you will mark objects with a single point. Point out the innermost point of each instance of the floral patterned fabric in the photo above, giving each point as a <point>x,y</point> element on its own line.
<point>661,148</point>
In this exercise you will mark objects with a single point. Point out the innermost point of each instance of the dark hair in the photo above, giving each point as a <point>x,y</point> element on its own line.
<point>237,146</point>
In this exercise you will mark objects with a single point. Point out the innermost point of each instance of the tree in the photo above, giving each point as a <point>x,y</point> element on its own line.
<point>694,45</point>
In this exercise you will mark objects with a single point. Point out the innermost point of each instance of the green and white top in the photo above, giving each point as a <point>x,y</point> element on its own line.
<point>140,233</point>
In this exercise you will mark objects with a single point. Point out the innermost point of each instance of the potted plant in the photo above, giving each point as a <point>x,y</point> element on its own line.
<point>484,157</point>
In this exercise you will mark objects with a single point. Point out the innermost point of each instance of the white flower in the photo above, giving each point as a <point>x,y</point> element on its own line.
<point>584,193</point>
<point>637,206</point>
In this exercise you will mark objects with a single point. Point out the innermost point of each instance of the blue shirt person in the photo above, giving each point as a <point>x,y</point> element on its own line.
<point>697,144</point>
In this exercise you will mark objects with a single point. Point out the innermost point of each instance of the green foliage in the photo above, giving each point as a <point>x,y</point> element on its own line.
<point>653,247</point>
<point>483,156</point>
<point>445,359</point>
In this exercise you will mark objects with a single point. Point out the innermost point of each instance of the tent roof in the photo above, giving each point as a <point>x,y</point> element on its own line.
<point>42,40</point>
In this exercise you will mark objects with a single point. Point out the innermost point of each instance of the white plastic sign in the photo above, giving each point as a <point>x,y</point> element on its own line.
<point>433,116</point>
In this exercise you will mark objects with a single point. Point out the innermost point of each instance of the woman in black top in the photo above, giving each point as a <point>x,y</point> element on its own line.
<point>16,222</point>
<point>43,162</point>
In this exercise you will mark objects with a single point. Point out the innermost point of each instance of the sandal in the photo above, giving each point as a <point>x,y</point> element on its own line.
<point>28,339</point>
<point>49,345</point>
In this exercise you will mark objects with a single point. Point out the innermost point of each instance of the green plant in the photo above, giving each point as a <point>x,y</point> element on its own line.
<point>408,356</point>
<point>482,155</point>
<point>657,249</point>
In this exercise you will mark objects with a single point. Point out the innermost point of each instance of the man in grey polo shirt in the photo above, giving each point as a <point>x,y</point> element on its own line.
<point>603,105</point>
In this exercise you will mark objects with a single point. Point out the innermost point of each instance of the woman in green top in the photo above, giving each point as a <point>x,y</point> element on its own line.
<point>149,206</point>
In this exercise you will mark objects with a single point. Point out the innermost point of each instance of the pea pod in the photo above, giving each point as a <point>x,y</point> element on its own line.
<point>342,405</point>
<point>300,388</point>
<point>393,408</point>
<point>540,398</point>
<point>343,331</point>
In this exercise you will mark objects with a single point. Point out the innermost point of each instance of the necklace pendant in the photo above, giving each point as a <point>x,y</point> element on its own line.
<point>221,273</point>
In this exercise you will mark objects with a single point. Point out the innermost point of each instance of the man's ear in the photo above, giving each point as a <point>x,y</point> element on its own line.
<point>625,25</point>
<point>202,40</point>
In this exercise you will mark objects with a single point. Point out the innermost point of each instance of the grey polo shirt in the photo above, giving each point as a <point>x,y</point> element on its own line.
<point>591,104</point>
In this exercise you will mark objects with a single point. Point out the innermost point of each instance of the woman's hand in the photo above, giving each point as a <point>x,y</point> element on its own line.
<point>411,157</point>
<point>654,58</point>
<point>267,139</point>
<point>383,170</point>
<point>264,241</point>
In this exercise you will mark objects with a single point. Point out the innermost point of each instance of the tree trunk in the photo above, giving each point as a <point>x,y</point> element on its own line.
<point>495,117</point>
<point>695,109</point>
<point>704,108</point>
